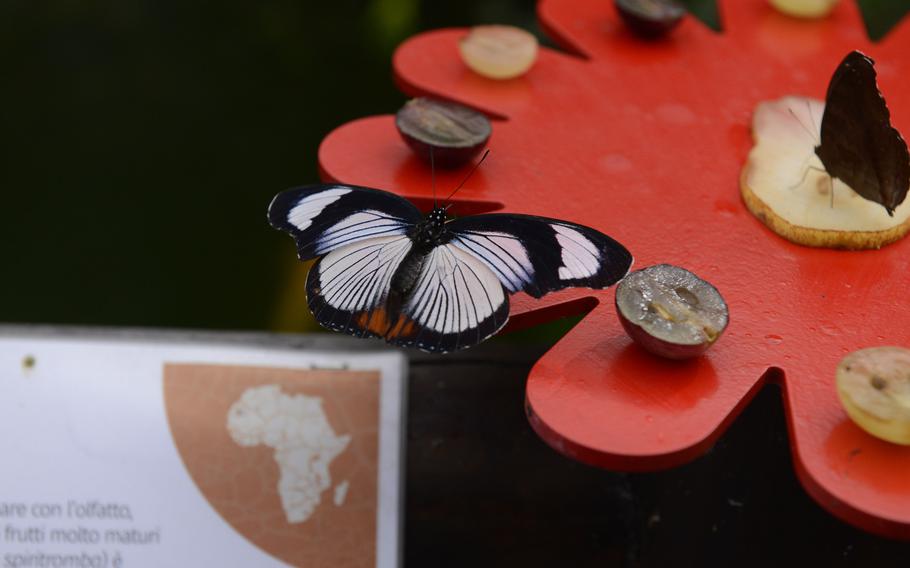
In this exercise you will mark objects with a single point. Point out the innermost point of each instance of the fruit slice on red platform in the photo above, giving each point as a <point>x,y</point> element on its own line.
<point>785,186</point>
<point>670,311</point>
<point>874,387</point>
<point>650,19</point>
<point>809,9</point>
<point>498,52</point>
<point>444,133</point>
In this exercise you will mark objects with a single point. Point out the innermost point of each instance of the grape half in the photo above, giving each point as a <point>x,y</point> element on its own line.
<point>670,311</point>
<point>454,133</point>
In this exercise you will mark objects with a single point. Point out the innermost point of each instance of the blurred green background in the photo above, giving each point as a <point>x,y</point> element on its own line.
<point>143,140</point>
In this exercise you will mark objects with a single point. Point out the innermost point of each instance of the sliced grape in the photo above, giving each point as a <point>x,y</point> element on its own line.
<point>809,9</point>
<point>498,52</point>
<point>670,311</point>
<point>455,133</point>
<point>874,387</point>
<point>650,19</point>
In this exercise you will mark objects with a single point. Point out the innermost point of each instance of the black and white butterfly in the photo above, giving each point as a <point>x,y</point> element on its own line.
<point>387,271</point>
<point>858,144</point>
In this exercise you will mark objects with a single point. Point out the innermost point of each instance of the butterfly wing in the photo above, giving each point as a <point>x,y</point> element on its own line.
<point>363,235</point>
<point>456,302</point>
<point>348,289</point>
<point>858,144</point>
<point>460,297</point>
<point>538,255</point>
<point>325,217</point>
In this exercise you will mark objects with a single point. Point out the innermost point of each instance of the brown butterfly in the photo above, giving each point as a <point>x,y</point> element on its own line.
<point>858,144</point>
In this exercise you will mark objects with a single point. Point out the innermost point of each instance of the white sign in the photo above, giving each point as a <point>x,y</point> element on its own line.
<point>146,453</point>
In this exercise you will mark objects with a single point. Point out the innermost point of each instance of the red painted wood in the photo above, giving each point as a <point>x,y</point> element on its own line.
<point>645,141</point>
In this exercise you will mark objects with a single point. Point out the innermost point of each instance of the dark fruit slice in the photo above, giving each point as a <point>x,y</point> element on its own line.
<point>670,311</point>
<point>455,133</point>
<point>874,387</point>
<point>650,18</point>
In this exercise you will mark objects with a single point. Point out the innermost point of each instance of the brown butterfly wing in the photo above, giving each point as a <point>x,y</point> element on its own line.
<point>858,144</point>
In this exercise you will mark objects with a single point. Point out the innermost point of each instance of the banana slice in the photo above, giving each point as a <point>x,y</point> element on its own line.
<point>874,387</point>
<point>783,184</point>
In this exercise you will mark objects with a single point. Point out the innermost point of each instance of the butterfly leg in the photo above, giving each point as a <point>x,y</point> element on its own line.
<point>806,173</point>
<point>831,182</point>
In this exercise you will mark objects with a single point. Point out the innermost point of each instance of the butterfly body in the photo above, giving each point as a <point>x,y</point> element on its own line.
<point>858,144</point>
<point>426,235</point>
<point>386,271</point>
<point>431,230</point>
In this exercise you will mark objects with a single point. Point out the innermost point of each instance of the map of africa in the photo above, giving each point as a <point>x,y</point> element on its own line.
<point>304,443</point>
<point>288,457</point>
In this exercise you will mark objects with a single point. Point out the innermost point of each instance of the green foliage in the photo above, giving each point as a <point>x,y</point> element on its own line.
<point>391,21</point>
<point>705,11</point>
<point>878,15</point>
<point>882,15</point>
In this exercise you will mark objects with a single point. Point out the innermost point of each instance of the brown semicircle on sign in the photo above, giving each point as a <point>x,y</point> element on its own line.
<point>241,483</point>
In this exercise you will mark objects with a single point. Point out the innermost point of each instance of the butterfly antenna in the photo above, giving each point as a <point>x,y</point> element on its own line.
<point>800,122</point>
<point>470,173</point>
<point>433,178</point>
<point>812,121</point>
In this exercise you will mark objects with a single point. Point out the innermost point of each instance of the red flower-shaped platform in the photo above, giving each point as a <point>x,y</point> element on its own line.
<point>645,142</point>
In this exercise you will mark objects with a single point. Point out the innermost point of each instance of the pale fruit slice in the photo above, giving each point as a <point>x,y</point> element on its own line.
<point>498,52</point>
<point>784,184</point>
<point>874,387</point>
<point>810,9</point>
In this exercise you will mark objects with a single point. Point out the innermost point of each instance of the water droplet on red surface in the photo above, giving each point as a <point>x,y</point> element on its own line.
<point>829,329</point>
<point>616,163</point>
